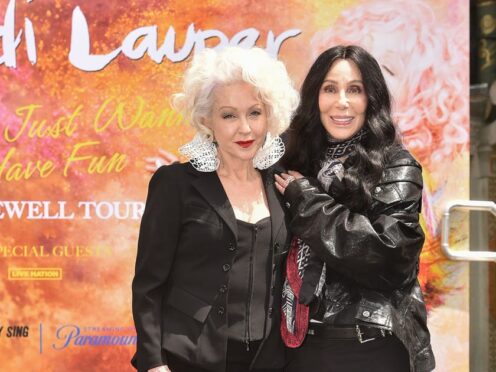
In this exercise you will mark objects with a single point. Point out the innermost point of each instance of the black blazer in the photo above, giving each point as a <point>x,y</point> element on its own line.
<point>186,246</point>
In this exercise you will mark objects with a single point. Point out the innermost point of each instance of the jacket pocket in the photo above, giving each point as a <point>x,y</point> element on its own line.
<point>188,304</point>
<point>386,193</point>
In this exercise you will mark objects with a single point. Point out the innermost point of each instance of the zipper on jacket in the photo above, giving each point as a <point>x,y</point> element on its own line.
<point>250,289</point>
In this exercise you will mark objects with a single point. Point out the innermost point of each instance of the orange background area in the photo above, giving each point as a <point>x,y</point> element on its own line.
<point>96,256</point>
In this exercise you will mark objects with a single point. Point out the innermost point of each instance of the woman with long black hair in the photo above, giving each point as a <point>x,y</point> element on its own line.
<point>351,298</point>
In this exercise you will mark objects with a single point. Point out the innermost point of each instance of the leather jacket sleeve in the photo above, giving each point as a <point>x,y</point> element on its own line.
<point>156,247</point>
<point>378,248</point>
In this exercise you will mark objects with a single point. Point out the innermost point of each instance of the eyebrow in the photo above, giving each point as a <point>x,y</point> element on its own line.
<point>234,108</point>
<point>335,82</point>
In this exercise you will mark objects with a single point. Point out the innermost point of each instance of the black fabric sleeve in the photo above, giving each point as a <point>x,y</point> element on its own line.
<point>157,243</point>
<point>378,249</point>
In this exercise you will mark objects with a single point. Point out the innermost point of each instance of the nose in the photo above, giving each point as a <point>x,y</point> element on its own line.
<point>343,99</point>
<point>244,126</point>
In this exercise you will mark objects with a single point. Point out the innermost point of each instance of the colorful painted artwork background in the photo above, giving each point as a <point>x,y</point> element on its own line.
<point>85,134</point>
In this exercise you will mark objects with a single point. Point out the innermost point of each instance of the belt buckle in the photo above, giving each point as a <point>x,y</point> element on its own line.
<point>360,334</point>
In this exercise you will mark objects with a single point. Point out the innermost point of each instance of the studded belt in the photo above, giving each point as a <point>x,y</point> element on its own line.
<point>358,332</point>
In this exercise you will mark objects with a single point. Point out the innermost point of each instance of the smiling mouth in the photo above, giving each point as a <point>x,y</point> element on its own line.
<point>245,144</point>
<point>342,120</point>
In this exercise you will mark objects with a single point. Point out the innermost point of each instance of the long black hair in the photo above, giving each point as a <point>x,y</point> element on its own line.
<point>307,138</point>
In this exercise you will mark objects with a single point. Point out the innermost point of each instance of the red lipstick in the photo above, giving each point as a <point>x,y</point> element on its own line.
<point>245,144</point>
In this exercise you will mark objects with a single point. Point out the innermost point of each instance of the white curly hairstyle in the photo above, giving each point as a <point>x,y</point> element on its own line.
<point>211,68</point>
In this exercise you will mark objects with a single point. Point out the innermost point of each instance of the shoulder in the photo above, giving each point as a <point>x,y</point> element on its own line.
<point>172,174</point>
<point>401,166</point>
<point>401,179</point>
<point>398,155</point>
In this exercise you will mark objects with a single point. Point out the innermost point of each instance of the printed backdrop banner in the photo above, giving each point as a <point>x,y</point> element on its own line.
<point>84,111</point>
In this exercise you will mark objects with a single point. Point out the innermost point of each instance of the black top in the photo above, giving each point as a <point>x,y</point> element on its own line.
<point>249,282</point>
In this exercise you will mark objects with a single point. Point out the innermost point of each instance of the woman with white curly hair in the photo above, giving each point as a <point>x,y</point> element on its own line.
<point>213,237</point>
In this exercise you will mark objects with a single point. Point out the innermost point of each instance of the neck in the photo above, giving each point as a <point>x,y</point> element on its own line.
<point>338,150</point>
<point>238,169</point>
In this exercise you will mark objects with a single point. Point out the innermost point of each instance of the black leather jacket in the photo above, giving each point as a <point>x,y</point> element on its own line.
<point>371,257</point>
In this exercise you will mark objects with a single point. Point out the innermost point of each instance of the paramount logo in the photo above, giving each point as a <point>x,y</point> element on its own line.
<point>72,335</point>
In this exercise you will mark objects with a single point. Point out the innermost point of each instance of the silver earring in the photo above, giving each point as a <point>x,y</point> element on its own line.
<point>201,153</point>
<point>271,151</point>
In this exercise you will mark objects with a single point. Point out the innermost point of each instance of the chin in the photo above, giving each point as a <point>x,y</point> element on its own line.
<point>342,134</point>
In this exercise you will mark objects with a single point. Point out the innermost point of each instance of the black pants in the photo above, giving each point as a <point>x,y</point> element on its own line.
<point>238,360</point>
<point>318,354</point>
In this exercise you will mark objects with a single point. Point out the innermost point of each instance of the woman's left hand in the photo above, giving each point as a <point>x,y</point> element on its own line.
<point>283,180</point>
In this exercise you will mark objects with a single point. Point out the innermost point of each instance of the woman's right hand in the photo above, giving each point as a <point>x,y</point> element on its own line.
<point>160,369</point>
<point>163,158</point>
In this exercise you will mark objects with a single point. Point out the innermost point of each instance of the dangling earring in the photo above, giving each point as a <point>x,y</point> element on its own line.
<point>201,153</point>
<point>271,151</point>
